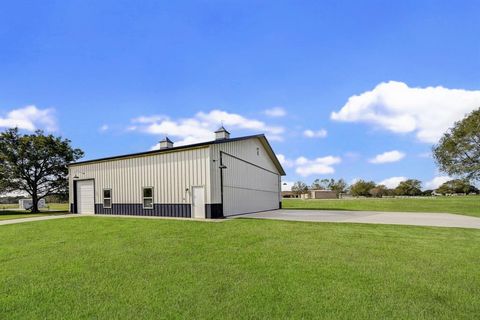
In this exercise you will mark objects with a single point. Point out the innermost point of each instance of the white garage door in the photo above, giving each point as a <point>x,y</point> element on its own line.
<point>85,197</point>
<point>247,187</point>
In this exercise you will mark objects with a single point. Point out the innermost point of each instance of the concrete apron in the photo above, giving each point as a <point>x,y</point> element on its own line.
<point>397,218</point>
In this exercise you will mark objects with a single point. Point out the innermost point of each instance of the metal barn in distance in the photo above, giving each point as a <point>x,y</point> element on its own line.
<point>215,179</point>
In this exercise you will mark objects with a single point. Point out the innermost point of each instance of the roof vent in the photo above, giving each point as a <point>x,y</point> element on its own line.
<point>222,134</point>
<point>166,144</point>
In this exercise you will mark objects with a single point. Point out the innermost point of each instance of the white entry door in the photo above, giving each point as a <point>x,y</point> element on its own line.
<point>198,202</point>
<point>85,197</point>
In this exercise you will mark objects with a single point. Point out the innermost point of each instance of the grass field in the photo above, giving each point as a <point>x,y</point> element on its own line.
<point>50,207</point>
<point>467,205</point>
<point>92,267</point>
<point>6,212</point>
<point>9,215</point>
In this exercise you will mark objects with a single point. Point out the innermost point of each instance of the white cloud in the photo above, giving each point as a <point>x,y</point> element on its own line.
<point>286,163</point>
<point>322,133</point>
<point>436,182</point>
<point>388,156</point>
<point>393,182</point>
<point>355,180</point>
<point>425,155</point>
<point>104,128</point>
<point>306,167</point>
<point>29,118</point>
<point>394,106</point>
<point>201,126</point>
<point>287,185</point>
<point>276,112</point>
<point>324,165</point>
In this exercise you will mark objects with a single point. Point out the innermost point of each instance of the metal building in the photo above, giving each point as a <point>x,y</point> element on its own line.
<point>215,179</point>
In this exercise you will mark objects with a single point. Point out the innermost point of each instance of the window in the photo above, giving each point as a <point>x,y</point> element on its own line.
<point>258,151</point>
<point>107,198</point>
<point>148,198</point>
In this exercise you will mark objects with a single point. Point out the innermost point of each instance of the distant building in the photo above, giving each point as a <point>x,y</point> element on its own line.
<point>289,194</point>
<point>320,194</point>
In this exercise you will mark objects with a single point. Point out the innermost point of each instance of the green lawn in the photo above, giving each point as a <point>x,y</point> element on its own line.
<point>50,207</point>
<point>6,213</point>
<point>93,267</point>
<point>467,205</point>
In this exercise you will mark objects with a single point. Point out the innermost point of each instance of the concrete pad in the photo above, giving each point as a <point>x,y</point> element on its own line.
<point>376,217</point>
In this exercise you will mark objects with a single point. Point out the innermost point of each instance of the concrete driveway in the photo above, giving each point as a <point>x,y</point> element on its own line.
<point>402,218</point>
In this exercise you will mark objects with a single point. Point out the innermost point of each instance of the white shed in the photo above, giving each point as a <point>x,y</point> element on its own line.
<point>215,179</point>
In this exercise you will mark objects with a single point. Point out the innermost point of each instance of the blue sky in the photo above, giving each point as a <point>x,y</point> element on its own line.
<point>352,89</point>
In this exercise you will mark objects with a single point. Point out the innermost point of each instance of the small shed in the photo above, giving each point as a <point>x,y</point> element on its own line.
<point>26,204</point>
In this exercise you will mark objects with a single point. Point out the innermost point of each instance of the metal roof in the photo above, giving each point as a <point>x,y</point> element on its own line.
<point>261,137</point>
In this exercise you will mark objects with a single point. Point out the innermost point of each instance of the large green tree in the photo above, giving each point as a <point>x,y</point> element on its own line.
<point>35,163</point>
<point>362,188</point>
<point>456,186</point>
<point>339,186</point>
<point>320,184</point>
<point>458,152</point>
<point>410,187</point>
<point>299,188</point>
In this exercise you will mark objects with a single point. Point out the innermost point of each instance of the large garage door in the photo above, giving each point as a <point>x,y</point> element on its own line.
<point>247,187</point>
<point>85,197</point>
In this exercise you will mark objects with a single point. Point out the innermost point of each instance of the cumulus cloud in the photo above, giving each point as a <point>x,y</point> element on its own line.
<point>275,112</point>
<point>287,185</point>
<point>322,165</point>
<point>436,182</point>
<point>29,118</point>
<point>394,106</point>
<point>306,167</point>
<point>286,163</point>
<point>201,126</point>
<point>393,182</point>
<point>322,133</point>
<point>388,156</point>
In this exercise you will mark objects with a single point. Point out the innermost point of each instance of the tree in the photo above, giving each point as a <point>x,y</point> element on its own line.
<point>458,151</point>
<point>35,163</point>
<point>339,186</point>
<point>320,184</point>
<point>362,188</point>
<point>410,187</point>
<point>456,186</point>
<point>299,188</point>
<point>378,191</point>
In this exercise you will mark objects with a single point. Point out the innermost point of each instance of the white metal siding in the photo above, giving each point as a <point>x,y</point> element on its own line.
<point>170,173</point>
<point>239,175</point>
<point>247,188</point>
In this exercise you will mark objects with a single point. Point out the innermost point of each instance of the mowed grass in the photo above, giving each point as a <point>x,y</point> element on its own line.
<point>6,212</point>
<point>466,205</point>
<point>9,215</point>
<point>118,268</point>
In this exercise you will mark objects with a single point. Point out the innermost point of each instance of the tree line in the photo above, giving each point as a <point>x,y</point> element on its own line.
<point>363,188</point>
<point>456,154</point>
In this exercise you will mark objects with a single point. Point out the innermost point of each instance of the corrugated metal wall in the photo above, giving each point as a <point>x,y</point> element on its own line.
<point>247,188</point>
<point>262,188</point>
<point>170,173</point>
